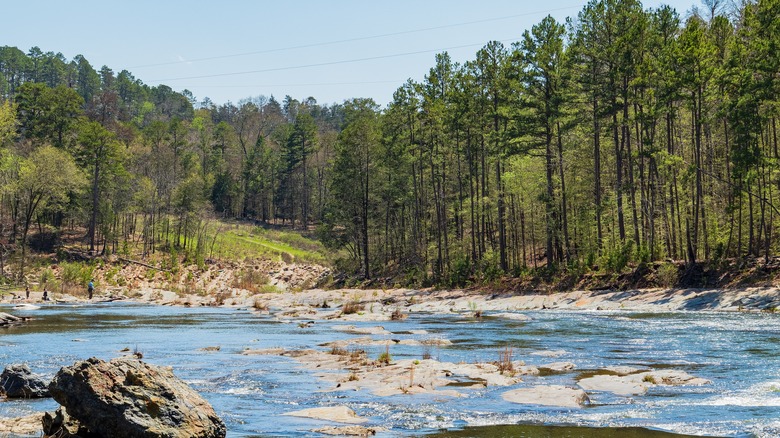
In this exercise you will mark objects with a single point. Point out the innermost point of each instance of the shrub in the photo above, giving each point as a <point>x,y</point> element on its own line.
<point>489,267</point>
<point>397,315</point>
<point>385,357</point>
<point>505,360</point>
<point>460,272</point>
<point>75,276</point>
<point>352,306</point>
<point>667,274</point>
<point>616,259</point>
<point>251,280</point>
<point>47,276</point>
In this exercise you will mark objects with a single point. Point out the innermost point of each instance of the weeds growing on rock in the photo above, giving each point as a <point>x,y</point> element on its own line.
<point>397,315</point>
<point>338,351</point>
<point>385,357</point>
<point>353,306</point>
<point>505,361</point>
<point>477,312</point>
<point>260,305</point>
<point>220,298</point>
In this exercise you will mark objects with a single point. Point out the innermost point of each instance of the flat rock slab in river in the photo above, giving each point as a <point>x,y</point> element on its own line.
<point>558,367</point>
<point>639,383</point>
<point>349,430</point>
<point>376,330</point>
<point>339,414</point>
<point>554,395</point>
<point>29,425</point>
<point>510,315</point>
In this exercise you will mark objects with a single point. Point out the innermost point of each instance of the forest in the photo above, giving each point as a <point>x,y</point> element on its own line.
<point>621,136</point>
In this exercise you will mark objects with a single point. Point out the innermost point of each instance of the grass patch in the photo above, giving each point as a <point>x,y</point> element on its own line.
<point>353,306</point>
<point>243,241</point>
<point>385,357</point>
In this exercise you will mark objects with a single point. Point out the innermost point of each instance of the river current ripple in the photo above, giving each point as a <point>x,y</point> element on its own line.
<point>738,352</point>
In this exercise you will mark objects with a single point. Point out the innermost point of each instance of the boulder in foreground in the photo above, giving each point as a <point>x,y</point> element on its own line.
<point>17,381</point>
<point>127,398</point>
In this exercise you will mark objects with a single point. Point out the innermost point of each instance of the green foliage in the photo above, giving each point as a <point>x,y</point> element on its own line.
<point>243,242</point>
<point>668,274</point>
<point>460,272</point>
<point>488,268</point>
<point>559,151</point>
<point>616,259</point>
<point>76,275</point>
<point>7,122</point>
<point>47,276</point>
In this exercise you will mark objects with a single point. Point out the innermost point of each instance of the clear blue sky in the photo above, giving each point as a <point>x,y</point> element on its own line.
<point>330,50</point>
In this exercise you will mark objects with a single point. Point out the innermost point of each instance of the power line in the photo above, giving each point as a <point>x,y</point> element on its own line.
<point>319,84</point>
<point>328,43</point>
<point>321,64</point>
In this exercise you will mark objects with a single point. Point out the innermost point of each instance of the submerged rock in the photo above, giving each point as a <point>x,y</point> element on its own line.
<point>17,381</point>
<point>129,398</point>
<point>349,430</point>
<point>558,367</point>
<point>7,319</point>
<point>554,395</point>
<point>339,414</point>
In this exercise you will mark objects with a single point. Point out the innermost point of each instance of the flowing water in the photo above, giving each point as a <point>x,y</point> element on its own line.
<point>739,353</point>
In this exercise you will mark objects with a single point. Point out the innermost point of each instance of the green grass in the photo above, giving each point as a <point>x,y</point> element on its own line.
<point>240,242</point>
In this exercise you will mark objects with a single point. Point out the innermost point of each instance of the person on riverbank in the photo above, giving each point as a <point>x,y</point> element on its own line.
<point>27,292</point>
<point>45,294</point>
<point>91,288</point>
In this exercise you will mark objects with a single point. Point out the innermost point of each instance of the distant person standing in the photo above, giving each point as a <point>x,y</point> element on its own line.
<point>27,292</point>
<point>45,294</point>
<point>91,288</point>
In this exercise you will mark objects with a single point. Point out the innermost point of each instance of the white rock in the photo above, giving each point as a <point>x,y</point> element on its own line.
<point>554,395</point>
<point>339,414</point>
<point>558,367</point>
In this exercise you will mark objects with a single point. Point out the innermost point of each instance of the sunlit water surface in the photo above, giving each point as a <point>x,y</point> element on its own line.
<point>739,353</point>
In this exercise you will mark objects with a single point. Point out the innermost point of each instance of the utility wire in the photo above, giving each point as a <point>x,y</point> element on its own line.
<point>328,43</point>
<point>345,61</point>
<point>318,84</point>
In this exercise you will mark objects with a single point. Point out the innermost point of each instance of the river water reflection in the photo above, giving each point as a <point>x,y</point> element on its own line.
<point>739,353</point>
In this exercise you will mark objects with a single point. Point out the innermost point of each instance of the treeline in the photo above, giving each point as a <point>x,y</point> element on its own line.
<point>621,135</point>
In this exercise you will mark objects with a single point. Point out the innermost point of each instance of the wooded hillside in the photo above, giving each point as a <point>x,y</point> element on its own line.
<point>623,135</point>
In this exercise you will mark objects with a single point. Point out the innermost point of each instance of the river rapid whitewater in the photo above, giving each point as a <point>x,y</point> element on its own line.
<point>738,352</point>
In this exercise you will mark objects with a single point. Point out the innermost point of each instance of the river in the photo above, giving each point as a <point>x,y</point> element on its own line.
<point>738,352</point>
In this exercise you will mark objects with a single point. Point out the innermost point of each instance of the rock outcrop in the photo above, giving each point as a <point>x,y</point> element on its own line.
<point>17,381</point>
<point>129,398</point>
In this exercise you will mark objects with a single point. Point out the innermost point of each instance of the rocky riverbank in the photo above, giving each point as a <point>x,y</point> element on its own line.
<point>380,304</point>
